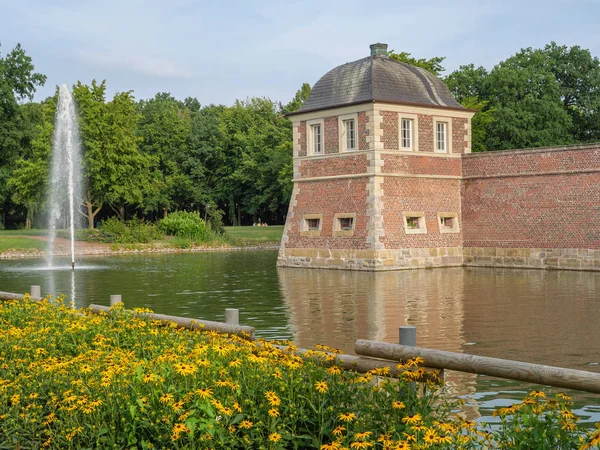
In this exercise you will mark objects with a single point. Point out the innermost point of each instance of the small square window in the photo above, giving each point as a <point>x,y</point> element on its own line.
<point>343,224</point>
<point>313,224</point>
<point>346,223</point>
<point>414,223</point>
<point>448,222</point>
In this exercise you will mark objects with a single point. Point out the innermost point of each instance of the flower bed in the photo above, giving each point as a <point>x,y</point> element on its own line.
<point>71,379</point>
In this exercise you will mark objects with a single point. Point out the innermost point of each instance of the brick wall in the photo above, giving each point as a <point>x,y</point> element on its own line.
<point>331,136</point>
<point>362,130</point>
<point>419,195</point>
<point>302,140</point>
<point>389,126</point>
<point>421,165</point>
<point>347,164</point>
<point>329,197</point>
<point>458,135</point>
<point>425,130</point>
<point>544,198</point>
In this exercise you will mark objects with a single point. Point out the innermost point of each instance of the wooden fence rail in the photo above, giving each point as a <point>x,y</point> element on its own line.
<point>482,365</point>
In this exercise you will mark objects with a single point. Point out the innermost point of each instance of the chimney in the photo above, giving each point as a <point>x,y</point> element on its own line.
<point>378,49</point>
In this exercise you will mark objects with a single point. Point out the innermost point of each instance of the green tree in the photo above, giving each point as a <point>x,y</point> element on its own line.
<point>18,82</point>
<point>433,65</point>
<point>116,171</point>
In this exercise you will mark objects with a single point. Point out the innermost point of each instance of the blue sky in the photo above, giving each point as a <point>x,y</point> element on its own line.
<point>222,51</point>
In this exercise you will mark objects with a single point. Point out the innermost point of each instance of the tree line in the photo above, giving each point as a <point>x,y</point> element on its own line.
<point>148,157</point>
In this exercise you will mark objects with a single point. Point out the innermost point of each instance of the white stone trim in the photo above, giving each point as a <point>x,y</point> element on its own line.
<point>342,132</point>
<point>362,175</point>
<point>408,109</point>
<point>422,228</point>
<point>455,228</point>
<point>364,107</point>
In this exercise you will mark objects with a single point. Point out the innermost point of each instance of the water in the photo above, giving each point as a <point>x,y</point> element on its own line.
<point>544,317</point>
<point>65,184</point>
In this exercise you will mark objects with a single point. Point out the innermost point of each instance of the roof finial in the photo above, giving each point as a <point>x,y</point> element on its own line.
<point>378,49</point>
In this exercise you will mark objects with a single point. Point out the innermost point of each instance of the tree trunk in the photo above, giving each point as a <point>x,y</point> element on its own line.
<point>122,213</point>
<point>165,213</point>
<point>91,214</point>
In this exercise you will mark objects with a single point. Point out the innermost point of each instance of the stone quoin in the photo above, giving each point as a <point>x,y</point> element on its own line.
<point>384,179</point>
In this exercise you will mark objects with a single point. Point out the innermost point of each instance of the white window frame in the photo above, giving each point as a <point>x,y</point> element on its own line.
<point>447,121</point>
<point>310,144</point>
<point>337,225</point>
<point>455,228</point>
<point>422,224</point>
<point>414,137</point>
<point>343,135</point>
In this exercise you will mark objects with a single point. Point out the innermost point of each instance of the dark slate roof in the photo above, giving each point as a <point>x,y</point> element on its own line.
<point>378,79</point>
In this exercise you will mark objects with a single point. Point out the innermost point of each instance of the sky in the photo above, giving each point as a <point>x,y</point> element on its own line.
<point>220,51</point>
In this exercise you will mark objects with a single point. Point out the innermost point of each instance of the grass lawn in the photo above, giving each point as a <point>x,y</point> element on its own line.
<point>9,242</point>
<point>254,235</point>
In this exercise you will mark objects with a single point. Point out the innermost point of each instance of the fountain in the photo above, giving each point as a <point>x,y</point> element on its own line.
<point>65,185</point>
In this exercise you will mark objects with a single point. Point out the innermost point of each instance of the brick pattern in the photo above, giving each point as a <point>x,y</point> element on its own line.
<point>426,135</point>
<point>515,162</point>
<point>421,165</point>
<point>389,126</point>
<point>329,197</point>
<point>302,148</point>
<point>331,136</point>
<point>419,195</point>
<point>362,131</point>
<point>342,165</point>
<point>459,144</point>
<point>551,211</point>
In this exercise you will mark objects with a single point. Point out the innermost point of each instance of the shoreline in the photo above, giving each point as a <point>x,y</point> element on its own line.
<point>106,250</point>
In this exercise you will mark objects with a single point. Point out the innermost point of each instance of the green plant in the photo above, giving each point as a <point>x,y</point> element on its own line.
<point>188,225</point>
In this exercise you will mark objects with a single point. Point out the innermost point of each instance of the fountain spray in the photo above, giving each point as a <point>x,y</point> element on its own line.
<point>65,192</point>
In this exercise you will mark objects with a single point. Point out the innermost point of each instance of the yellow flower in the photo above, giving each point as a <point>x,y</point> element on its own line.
<point>334,370</point>
<point>167,398</point>
<point>412,419</point>
<point>430,437</point>
<point>362,436</point>
<point>185,369</point>
<point>348,417</point>
<point>85,369</point>
<point>204,392</point>
<point>331,446</point>
<point>398,405</point>
<point>537,394</point>
<point>361,445</point>
<point>272,398</point>
<point>273,412</point>
<point>321,386</point>
<point>274,437</point>
<point>246,424</point>
<point>338,430</point>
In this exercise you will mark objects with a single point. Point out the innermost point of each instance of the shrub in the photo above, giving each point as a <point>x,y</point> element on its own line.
<point>118,230</point>
<point>187,225</point>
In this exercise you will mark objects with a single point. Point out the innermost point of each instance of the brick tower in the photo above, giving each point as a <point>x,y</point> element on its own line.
<point>377,170</point>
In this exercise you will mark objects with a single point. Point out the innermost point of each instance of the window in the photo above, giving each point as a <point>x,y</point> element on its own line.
<point>441,138</point>
<point>414,223</point>
<point>343,224</point>
<point>406,133</point>
<point>448,222</point>
<point>346,223</point>
<point>316,139</point>
<point>311,225</point>
<point>350,129</point>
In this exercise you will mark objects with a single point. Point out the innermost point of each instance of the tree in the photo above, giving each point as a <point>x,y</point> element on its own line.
<point>18,82</point>
<point>433,65</point>
<point>115,170</point>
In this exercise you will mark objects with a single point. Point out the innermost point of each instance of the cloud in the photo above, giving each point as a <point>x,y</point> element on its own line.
<point>148,65</point>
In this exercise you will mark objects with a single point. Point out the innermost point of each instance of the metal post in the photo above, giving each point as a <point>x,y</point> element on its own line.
<point>408,336</point>
<point>35,291</point>
<point>114,299</point>
<point>232,316</point>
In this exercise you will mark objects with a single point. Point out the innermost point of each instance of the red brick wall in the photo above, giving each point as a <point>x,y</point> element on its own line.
<point>458,135</point>
<point>421,165</point>
<point>362,131</point>
<point>329,197</point>
<point>341,165</point>
<point>302,141</point>
<point>425,130</point>
<point>419,195</point>
<point>536,206</point>
<point>331,142</point>
<point>389,125</point>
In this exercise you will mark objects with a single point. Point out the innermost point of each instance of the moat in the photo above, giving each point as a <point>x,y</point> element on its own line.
<point>545,317</point>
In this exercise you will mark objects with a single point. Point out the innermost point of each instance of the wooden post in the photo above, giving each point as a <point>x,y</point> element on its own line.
<point>232,316</point>
<point>408,336</point>
<point>483,365</point>
<point>35,291</point>
<point>114,299</point>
